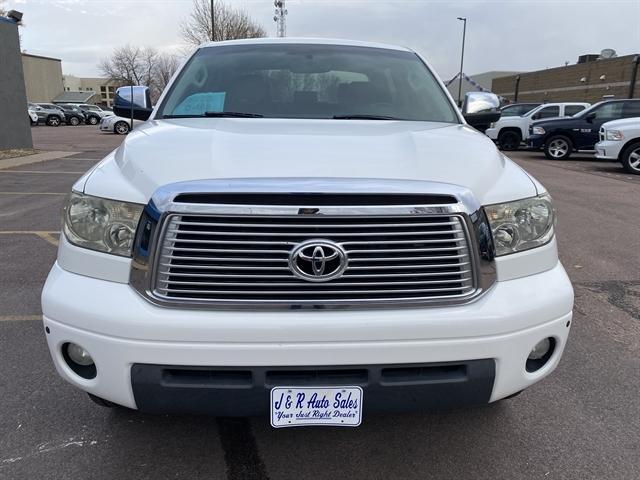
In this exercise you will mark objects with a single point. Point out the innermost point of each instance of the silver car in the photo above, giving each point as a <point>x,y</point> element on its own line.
<point>48,114</point>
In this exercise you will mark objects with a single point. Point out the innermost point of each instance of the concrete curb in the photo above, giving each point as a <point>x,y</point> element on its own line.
<point>35,158</point>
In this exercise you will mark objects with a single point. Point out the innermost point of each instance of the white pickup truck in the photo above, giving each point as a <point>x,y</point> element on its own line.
<point>307,230</point>
<point>510,132</point>
<point>620,140</point>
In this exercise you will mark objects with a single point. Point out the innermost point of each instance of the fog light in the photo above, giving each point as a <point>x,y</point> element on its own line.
<point>79,360</point>
<point>540,350</point>
<point>79,355</point>
<point>540,354</point>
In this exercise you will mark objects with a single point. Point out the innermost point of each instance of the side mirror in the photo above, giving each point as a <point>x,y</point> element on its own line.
<point>480,109</point>
<point>591,117</point>
<point>133,101</point>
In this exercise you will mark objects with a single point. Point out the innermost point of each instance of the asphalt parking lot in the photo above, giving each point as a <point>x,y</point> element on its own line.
<point>583,422</point>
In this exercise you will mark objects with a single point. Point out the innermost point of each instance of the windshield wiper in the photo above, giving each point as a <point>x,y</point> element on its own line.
<point>216,114</point>
<point>364,117</point>
<point>232,114</point>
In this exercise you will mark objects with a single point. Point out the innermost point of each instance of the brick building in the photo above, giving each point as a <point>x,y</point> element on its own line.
<point>590,81</point>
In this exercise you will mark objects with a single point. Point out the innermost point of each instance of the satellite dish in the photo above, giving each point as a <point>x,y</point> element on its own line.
<point>608,53</point>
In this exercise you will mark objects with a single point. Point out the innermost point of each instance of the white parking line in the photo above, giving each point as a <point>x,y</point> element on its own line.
<point>32,193</point>
<point>20,318</point>
<point>47,236</point>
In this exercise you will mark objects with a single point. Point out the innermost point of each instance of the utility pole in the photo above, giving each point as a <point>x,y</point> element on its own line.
<point>280,18</point>
<point>464,33</point>
<point>213,23</point>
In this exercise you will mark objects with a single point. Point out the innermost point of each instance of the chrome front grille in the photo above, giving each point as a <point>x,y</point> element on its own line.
<point>244,259</point>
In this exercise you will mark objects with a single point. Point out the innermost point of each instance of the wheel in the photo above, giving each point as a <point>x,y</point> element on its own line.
<point>630,158</point>
<point>93,120</point>
<point>121,128</point>
<point>101,401</point>
<point>558,147</point>
<point>53,121</point>
<point>74,121</point>
<point>509,140</point>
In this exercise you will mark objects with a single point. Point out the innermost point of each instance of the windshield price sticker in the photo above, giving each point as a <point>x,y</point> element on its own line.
<point>307,406</point>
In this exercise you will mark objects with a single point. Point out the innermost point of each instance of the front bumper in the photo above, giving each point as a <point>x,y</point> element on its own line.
<point>535,142</point>
<point>123,331</point>
<point>608,150</point>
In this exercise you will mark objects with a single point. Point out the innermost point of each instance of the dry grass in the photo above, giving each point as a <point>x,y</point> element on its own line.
<point>16,152</point>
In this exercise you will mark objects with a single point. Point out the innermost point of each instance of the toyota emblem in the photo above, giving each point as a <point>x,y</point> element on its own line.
<point>318,260</point>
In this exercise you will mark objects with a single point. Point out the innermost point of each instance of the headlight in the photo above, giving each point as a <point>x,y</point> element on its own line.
<point>538,131</point>
<point>614,135</point>
<point>521,225</point>
<point>100,224</point>
<point>492,125</point>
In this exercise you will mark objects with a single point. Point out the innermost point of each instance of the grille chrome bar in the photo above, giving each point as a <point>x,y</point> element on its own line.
<point>382,275</point>
<point>244,231</point>
<point>244,258</point>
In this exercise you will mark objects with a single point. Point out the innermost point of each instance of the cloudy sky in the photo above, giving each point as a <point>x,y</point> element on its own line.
<point>501,34</point>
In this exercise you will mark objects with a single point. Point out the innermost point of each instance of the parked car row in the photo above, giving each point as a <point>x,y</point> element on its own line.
<point>74,114</point>
<point>510,131</point>
<point>610,127</point>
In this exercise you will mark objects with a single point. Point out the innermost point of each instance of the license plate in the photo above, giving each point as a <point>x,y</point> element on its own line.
<point>312,406</point>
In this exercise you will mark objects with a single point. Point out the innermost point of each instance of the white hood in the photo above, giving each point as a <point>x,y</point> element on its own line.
<point>168,151</point>
<point>623,122</point>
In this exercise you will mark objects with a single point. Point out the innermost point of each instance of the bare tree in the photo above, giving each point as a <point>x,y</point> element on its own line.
<point>130,65</point>
<point>229,23</point>
<point>166,66</point>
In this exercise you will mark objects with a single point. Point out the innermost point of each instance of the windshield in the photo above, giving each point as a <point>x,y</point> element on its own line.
<point>307,81</point>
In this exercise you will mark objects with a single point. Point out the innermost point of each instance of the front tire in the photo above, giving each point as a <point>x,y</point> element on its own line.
<point>558,147</point>
<point>630,158</point>
<point>121,128</point>
<point>93,120</point>
<point>53,121</point>
<point>509,140</point>
<point>74,121</point>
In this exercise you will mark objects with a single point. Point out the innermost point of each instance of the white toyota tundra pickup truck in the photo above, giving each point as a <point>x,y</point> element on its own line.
<point>308,230</point>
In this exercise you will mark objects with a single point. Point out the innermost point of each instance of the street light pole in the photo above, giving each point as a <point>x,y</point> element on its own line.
<point>213,24</point>
<point>464,33</point>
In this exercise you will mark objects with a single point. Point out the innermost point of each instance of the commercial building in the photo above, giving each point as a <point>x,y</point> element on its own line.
<point>42,77</point>
<point>592,79</point>
<point>103,89</point>
<point>44,82</point>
